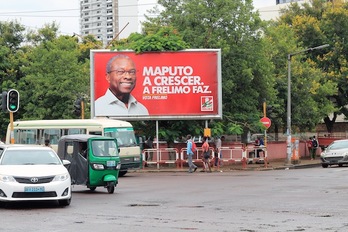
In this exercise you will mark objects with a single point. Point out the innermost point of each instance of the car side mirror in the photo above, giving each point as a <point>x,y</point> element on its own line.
<point>66,162</point>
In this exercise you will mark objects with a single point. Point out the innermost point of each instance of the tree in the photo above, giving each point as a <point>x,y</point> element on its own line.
<point>233,27</point>
<point>11,59</point>
<point>55,76</point>
<point>319,76</point>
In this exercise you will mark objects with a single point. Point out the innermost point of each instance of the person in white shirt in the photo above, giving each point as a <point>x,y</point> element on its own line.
<point>118,101</point>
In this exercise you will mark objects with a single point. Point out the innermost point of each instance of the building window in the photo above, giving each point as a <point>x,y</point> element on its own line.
<point>109,11</point>
<point>86,1</point>
<point>86,7</point>
<point>109,17</point>
<point>86,26</point>
<point>86,20</point>
<point>109,24</point>
<point>98,18</point>
<point>98,24</point>
<point>87,13</point>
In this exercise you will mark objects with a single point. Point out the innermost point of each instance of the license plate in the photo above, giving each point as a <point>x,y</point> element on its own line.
<point>35,189</point>
<point>110,163</point>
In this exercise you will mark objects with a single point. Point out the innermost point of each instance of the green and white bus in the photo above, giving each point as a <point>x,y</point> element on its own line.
<point>37,131</point>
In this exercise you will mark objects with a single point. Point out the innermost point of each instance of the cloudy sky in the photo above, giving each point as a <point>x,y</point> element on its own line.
<point>36,13</point>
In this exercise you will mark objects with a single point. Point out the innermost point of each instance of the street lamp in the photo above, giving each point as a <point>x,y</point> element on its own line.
<point>288,130</point>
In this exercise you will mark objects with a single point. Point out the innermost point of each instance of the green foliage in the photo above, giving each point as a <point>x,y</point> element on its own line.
<point>318,80</point>
<point>54,78</point>
<point>165,39</point>
<point>11,59</point>
<point>234,28</point>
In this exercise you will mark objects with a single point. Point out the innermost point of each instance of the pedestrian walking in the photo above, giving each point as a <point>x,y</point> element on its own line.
<point>310,146</point>
<point>206,154</point>
<point>190,152</point>
<point>149,145</point>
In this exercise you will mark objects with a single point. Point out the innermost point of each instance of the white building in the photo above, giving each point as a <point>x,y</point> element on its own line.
<point>273,12</point>
<point>107,19</point>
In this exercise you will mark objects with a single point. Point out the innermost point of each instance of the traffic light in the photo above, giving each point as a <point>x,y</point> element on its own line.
<point>3,101</point>
<point>77,106</point>
<point>13,100</point>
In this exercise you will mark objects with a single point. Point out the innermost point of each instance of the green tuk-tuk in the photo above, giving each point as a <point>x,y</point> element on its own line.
<point>94,160</point>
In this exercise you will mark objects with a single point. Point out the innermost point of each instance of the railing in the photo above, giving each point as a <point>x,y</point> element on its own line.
<point>227,155</point>
<point>161,156</point>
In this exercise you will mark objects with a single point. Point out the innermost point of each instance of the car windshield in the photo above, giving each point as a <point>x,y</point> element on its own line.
<point>339,145</point>
<point>29,157</point>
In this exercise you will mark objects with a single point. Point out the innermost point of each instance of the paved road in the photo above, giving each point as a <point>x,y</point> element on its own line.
<point>313,199</point>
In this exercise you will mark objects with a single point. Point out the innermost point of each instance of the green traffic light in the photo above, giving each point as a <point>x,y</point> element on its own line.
<point>12,107</point>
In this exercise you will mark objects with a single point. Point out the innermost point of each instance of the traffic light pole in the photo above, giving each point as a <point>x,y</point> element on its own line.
<point>12,130</point>
<point>82,109</point>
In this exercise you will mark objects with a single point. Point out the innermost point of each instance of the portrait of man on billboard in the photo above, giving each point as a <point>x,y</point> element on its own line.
<point>121,74</point>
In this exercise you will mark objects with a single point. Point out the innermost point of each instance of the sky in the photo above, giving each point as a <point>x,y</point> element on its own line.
<point>34,14</point>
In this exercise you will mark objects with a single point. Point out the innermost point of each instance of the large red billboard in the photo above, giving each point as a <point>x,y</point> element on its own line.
<point>167,85</point>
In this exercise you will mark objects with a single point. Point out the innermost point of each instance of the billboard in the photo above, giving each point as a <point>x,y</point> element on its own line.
<point>156,85</point>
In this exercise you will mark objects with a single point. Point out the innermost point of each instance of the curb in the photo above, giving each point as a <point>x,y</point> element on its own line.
<point>238,168</point>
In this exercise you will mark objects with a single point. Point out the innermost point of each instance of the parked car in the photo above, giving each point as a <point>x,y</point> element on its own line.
<point>33,173</point>
<point>335,154</point>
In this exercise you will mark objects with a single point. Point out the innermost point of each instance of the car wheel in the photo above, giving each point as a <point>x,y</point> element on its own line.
<point>340,165</point>
<point>64,202</point>
<point>324,165</point>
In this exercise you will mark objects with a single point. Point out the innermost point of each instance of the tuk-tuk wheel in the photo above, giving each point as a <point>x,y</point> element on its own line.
<point>110,187</point>
<point>92,188</point>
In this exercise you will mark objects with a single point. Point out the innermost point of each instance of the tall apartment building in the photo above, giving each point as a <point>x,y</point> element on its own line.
<point>105,19</point>
<point>99,18</point>
<point>286,1</point>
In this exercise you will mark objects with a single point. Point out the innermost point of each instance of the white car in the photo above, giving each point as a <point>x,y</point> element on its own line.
<point>33,173</point>
<point>335,154</point>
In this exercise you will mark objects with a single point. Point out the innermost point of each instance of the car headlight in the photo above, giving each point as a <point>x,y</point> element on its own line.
<point>345,154</point>
<point>6,178</point>
<point>61,177</point>
<point>136,158</point>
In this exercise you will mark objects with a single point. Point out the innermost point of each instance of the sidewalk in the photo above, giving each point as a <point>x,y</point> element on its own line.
<point>272,165</point>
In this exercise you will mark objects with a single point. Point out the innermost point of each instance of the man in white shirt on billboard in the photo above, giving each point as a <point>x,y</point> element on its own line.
<point>118,101</point>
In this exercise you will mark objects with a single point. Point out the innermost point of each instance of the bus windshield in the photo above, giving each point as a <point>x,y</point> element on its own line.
<point>125,136</point>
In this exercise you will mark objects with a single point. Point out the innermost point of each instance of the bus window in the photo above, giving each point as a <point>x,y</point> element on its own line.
<point>96,133</point>
<point>74,131</point>
<point>52,134</point>
<point>26,136</point>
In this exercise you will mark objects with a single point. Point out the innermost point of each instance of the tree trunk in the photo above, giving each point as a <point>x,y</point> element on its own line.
<point>330,123</point>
